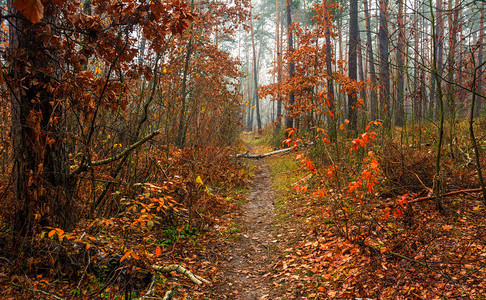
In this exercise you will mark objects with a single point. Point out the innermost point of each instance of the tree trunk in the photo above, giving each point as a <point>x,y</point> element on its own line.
<point>181,132</point>
<point>289,123</point>
<point>249,84</point>
<point>480,61</point>
<point>42,187</point>
<point>255,77</point>
<point>416,95</point>
<point>279,67</point>
<point>399,103</point>
<point>373,95</point>
<point>439,36</point>
<point>330,80</point>
<point>384,66</point>
<point>352,61</point>
<point>361,73</point>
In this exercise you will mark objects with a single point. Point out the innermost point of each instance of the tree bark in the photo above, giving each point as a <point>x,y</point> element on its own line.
<point>480,61</point>
<point>181,132</point>
<point>289,123</point>
<point>330,78</point>
<point>42,187</point>
<point>417,98</point>
<point>440,45</point>
<point>384,66</point>
<point>373,95</point>
<point>279,67</point>
<point>255,78</point>
<point>353,62</point>
<point>399,103</point>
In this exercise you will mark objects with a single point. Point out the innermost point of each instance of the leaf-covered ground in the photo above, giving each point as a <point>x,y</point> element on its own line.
<point>422,254</point>
<point>265,240</point>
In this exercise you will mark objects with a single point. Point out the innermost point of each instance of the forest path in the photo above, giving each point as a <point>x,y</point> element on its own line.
<point>250,255</point>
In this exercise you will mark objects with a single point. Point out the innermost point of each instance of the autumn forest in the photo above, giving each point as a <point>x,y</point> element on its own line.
<point>242,149</point>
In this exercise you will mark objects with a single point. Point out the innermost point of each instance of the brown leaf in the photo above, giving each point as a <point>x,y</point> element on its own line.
<point>33,10</point>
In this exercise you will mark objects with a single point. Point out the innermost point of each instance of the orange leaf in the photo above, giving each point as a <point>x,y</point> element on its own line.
<point>51,233</point>
<point>125,255</point>
<point>158,251</point>
<point>328,102</point>
<point>331,114</point>
<point>135,255</point>
<point>341,126</point>
<point>33,10</point>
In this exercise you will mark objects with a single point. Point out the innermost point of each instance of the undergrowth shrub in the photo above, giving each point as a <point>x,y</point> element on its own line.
<point>163,201</point>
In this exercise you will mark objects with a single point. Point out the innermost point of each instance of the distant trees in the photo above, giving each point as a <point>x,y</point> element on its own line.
<point>419,70</point>
<point>398,65</point>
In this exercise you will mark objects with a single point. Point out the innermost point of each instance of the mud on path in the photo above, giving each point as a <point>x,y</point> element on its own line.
<point>247,262</point>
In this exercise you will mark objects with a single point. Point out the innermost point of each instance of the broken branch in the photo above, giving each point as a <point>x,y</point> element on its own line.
<point>443,195</point>
<point>120,155</point>
<point>180,269</point>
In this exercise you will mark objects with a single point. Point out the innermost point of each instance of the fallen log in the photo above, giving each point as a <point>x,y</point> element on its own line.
<point>258,156</point>
<point>180,269</point>
<point>280,151</point>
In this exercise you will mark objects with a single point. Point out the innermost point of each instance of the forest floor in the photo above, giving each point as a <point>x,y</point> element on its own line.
<point>271,241</point>
<point>250,252</point>
<point>284,245</point>
<point>262,231</point>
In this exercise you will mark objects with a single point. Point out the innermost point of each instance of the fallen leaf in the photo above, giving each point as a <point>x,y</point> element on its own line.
<point>33,10</point>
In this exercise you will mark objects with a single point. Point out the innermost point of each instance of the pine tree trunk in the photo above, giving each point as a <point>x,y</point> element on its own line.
<point>479,101</point>
<point>384,66</point>
<point>330,79</point>
<point>279,67</point>
<point>399,103</point>
<point>353,61</point>
<point>289,123</point>
<point>440,47</point>
<point>255,78</point>
<point>373,95</point>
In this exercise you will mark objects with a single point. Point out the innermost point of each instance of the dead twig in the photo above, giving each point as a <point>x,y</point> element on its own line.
<point>38,291</point>
<point>433,196</point>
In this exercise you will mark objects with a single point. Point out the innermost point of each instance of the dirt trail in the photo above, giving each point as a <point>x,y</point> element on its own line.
<point>249,258</point>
